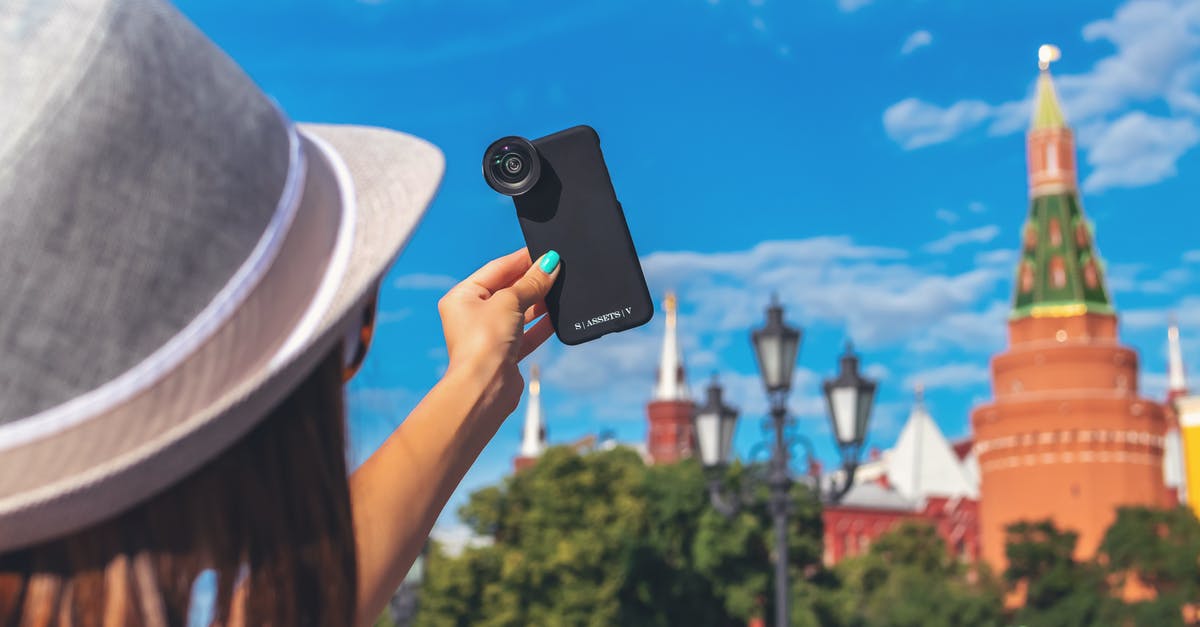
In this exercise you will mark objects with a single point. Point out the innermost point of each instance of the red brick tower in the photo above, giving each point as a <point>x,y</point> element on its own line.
<point>533,436</point>
<point>1067,436</point>
<point>670,412</point>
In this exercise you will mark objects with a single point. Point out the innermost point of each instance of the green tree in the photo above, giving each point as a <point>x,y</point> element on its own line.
<point>600,539</point>
<point>1059,591</point>
<point>1160,547</point>
<point>455,590</point>
<point>909,578</point>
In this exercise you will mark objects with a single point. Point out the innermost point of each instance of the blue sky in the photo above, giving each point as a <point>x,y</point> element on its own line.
<point>862,158</point>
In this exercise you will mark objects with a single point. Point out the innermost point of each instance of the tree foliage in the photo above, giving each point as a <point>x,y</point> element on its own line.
<point>601,539</point>
<point>1155,549</point>
<point>1058,589</point>
<point>909,578</point>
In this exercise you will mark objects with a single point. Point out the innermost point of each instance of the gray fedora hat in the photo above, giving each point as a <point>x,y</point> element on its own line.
<point>175,254</point>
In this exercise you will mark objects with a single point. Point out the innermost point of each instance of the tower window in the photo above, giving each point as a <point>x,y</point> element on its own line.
<point>1051,158</point>
<point>1058,272</point>
<point>1055,232</point>
<point>1090,276</point>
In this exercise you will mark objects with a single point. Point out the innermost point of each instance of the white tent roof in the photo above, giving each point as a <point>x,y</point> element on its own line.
<point>923,463</point>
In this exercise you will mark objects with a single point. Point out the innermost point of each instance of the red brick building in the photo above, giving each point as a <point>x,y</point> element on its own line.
<point>923,478</point>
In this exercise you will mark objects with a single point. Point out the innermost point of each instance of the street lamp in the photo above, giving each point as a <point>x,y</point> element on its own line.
<point>849,397</point>
<point>776,346</point>
<point>715,424</point>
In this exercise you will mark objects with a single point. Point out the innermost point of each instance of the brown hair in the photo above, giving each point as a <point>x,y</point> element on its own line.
<point>270,517</point>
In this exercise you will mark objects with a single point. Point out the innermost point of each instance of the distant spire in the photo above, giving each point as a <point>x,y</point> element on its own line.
<point>1176,380</point>
<point>534,437</point>
<point>1047,113</point>
<point>1060,273</point>
<point>672,382</point>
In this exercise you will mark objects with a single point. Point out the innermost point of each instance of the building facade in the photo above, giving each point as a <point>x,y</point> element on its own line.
<point>1067,436</point>
<point>923,478</point>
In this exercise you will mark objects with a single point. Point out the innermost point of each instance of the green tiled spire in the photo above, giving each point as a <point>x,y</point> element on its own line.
<point>1060,271</point>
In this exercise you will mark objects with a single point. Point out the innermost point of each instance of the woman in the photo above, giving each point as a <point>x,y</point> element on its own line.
<point>188,282</point>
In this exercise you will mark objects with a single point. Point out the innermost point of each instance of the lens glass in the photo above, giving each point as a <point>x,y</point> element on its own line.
<point>510,163</point>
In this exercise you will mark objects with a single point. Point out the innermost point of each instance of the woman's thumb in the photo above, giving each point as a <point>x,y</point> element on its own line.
<point>532,288</point>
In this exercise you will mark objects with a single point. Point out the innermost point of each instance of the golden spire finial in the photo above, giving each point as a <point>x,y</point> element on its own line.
<point>669,302</point>
<point>535,384</point>
<point>1047,54</point>
<point>919,391</point>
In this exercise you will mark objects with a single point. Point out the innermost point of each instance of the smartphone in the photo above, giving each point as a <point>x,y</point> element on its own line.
<point>565,202</point>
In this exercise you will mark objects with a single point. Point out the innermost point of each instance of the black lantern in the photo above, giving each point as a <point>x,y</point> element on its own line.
<point>849,396</point>
<point>776,346</point>
<point>715,423</point>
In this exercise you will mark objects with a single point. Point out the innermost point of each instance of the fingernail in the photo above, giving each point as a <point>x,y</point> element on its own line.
<point>549,262</point>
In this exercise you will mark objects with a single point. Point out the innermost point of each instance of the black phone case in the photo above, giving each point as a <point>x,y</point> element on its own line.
<point>574,210</point>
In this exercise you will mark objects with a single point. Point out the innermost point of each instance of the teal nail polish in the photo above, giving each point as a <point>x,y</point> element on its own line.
<point>549,262</point>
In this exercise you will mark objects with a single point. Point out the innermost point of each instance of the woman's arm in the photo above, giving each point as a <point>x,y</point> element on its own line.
<point>398,493</point>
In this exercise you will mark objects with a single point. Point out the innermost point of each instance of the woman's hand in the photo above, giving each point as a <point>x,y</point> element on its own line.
<point>484,318</point>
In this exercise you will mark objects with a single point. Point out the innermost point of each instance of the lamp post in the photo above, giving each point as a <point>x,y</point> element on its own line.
<point>777,345</point>
<point>849,397</point>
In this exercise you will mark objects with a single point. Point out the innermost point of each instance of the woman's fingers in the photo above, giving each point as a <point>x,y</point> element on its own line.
<point>535,312</point>
<point>500,273</point>
<point>532,288</point>
<point>534,337</point>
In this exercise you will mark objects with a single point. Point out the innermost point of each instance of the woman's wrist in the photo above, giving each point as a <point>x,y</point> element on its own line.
<point>473,384</point>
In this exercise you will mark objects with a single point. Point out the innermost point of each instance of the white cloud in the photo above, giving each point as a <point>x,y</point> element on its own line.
<point>976,207</point>
<point>951,376</point>
<point>919,39</point>
<point>1192,256</point>
<point>758,24</point>
<point>454,539</point>
<point>978,330</point>
<point>1127,277</point>
<point>393,316</point>
<point>945,215</point>
<point>1138,149</point>
<point>879,296</point>
<point>914,123</point>
<point>1155,63</point>
<point>424,281</point>
<point>381,401</point>
<point>852,5</point>
<point>1186,313</point>
<point>1168,282</point>
<point>951,241</point>
<point>1006,257</point>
